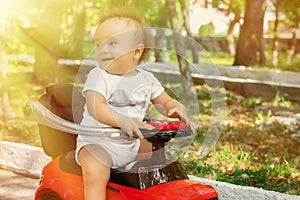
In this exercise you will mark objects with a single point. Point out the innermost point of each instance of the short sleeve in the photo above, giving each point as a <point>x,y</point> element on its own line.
<point>95,82</point>
<point>156,87</point>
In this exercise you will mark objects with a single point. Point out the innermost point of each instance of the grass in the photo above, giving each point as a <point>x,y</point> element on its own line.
<point>223,59</point>
<point>257,146</point>
<point>22,88</point>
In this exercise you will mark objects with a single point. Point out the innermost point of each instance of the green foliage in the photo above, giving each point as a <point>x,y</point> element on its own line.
<point>234,6</point>
<point>22,88</point>
<point>238,167</point>
<point>152,10</point>
<point>220,58</point>
<point>291,10</point>
<point>223,59</point>
<point>251,102</point>
<point>15,46</point>
<point>255,149</point>
<point>207,30</point>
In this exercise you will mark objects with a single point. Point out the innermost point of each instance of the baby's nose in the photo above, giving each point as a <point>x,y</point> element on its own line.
<point>105,47</point>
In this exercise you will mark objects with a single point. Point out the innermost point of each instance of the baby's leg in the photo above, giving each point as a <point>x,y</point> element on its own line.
<point>95,163</point>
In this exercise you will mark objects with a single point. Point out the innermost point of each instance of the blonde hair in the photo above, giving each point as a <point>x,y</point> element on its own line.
<point>132,14</point>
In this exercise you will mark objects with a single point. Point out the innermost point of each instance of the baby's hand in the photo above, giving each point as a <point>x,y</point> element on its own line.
<point>131,127</point>
<point>128,125</point>
<point>180,113</point>
<point>141,125</point>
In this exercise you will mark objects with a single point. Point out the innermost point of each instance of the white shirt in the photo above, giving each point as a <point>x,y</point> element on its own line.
<point>127,95</point>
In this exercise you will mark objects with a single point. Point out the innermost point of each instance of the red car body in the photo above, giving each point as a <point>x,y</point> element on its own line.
<point>56,184</point>
<point>61,178</point>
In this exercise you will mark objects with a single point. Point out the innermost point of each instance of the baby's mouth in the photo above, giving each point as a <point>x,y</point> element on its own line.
<point>106,59</point>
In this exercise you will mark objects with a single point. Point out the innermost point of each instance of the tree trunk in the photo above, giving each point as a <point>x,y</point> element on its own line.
<point>47,36</point>
<point>186,18</point>
<point>76,42</point>
<point>161,42</point>
<point>250,47</point>
<point>275,43</point>
<point>179,46</point>
<point>160,45</point>
<point>230,41</point>
<point>292,50</point>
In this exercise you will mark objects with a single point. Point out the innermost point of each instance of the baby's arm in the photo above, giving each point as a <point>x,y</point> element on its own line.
<point>171,108</point>
<point>98,108</point>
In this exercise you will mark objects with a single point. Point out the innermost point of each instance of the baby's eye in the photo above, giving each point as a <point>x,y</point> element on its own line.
<point>113,43</point>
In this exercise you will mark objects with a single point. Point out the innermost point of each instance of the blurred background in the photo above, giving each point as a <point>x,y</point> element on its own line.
<point>45,42</point>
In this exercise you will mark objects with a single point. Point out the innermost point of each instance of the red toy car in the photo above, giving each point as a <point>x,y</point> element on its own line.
<point>153,179</point>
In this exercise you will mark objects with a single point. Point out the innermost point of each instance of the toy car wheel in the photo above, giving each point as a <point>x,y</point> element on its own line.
<point>50,196</point>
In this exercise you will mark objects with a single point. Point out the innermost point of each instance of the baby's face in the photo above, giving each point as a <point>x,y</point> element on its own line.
<point>117,41</point>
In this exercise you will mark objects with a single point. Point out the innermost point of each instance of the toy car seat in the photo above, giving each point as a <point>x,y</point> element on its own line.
<point>65,101</point>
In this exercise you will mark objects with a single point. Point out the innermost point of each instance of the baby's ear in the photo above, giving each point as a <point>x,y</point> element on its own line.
<point>138,51</point>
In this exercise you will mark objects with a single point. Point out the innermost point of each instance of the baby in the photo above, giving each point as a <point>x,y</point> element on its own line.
<point>117,96</point>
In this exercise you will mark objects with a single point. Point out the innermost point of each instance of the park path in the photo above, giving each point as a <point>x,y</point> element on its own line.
<point>16,187</point>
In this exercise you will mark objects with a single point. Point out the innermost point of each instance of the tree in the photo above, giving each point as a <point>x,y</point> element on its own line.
<point>5,111</point>
<point>160,37</point>
<point>179,46</point>
<point>186,19</point>
<point>233,8</point>
<point>72,36</point>
<point>46,35</point>
<point>275,43</point>
<point>57,31</point>
<point>250,46</point>
<point>292,12</point>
